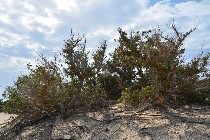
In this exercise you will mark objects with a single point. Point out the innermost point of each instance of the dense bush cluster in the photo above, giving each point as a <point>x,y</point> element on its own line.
<point>151,67</point>
<point>146,66</point>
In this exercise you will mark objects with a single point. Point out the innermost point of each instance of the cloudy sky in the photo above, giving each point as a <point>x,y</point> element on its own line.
<point>30,26</point>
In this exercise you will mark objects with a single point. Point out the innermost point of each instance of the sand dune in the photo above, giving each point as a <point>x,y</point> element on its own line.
<point>186,122</point>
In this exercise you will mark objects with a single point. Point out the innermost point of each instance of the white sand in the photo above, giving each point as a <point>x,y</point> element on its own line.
<point>188,122</point>
<point>4,117</point>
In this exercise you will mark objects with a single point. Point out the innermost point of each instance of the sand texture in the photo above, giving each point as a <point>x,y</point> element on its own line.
<point>120,123</point>
<point>4,117</point>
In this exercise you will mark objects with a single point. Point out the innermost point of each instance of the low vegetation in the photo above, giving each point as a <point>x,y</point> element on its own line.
<point>145,67</point>
<point>1,105</point>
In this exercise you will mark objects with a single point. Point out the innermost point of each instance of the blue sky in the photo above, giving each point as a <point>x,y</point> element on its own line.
<point>27,26</point>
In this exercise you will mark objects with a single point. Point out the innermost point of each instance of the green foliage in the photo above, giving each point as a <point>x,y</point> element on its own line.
<point>1,105</point>
<point>40,90</point>
<point>153,59</point>
<point>136,97</point>
<point>81,71</point>
<point>15,102</point>
<point>110,85</point>
<point>76,58</point>
<point>92,95</point>
<point>202,92</point>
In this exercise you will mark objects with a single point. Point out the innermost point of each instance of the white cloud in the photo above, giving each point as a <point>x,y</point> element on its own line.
<point>193,8</point>
<point>9,39</point>
<point>77,6</point>
<point>143,2</point>
<point>4,18</point>
<point>198,39</point>
<point>186,16</point>
<point>25,21</point>
<point>11,67</point>
<point>11,63</point>
<point>29,6</point>
<point>50,22</point>
<point>34,46</point>
<point>108,32</point>
<point>159,12</point>
<point>67,5</point>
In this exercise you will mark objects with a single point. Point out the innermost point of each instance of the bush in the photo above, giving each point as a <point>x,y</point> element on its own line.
<point>150,58</point>
<point>44,89</point>
<point>85,74</point>
<point>137,97</point>
<point>15,103</point>
<point>201,94</point>
<point>146,66</point>
<point>40,90</point>
<point>110,85</point>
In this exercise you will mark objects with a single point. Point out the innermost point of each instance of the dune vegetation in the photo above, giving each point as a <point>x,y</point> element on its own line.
<point>145,67</point>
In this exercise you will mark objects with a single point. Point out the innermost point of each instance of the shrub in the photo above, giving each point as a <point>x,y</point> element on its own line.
<point>202,92</point>
<point>44,89</point>
<point>151,58</point>
<point>137,97</point>
<point>84,73</point>
<point>146,66</point>
<point>1,105</point>
<point>40,90</point>
<point>92,95</point>
<point>110,85</point>
<point>15,103</point>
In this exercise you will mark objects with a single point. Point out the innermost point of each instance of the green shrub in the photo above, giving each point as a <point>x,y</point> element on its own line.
<point>146,66</point>
<point>85,74</point>
<point>110,85</point>
<point>202,92</point>
<point>151,58</point>
<point>15,103</point>
<point>92,95</point>
<point>42,90</point>
<point>137,97</point>
<point>1,105</point>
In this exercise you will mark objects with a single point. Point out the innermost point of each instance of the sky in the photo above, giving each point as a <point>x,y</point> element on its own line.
<point>30,26</point>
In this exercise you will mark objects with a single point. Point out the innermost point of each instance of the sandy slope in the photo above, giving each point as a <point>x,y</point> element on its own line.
<point>186,122</point>
<point>4,117</point>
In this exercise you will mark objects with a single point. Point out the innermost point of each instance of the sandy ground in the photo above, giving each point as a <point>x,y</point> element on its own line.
<point>4,117</point>
<point>117,123</point>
